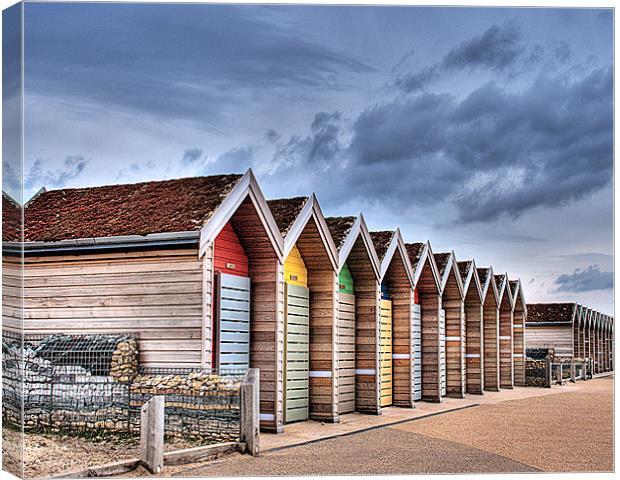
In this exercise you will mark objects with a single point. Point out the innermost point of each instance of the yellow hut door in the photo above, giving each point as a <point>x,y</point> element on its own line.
<point>297,336</point>
<point>386,353</point>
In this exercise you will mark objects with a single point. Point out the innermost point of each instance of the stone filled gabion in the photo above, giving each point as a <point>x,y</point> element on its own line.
<point>200,406</point>
<point>124,364</point>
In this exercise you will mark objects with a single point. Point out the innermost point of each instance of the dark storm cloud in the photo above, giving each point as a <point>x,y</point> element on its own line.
<point>494,153</point>
<point>38,176</point>
<point>416,81</point>
<point>181,63</point>
<point>496,49</point>
<point>191,156</point>
<point>592,278</point>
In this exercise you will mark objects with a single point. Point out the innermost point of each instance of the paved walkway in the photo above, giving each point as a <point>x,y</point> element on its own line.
<point>567,428</point>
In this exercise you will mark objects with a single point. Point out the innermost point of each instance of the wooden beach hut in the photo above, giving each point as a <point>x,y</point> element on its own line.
<point>176,262</point>
<point>551,325</point>
<point>359,299</point>
<point>490,319</point>
<point>506,369</point>
<point>311,310</point>
<point>473,299</point>
<point>397,305</point>
<point>519,316</point>
<point>427,297</point>
<point>452,301</point>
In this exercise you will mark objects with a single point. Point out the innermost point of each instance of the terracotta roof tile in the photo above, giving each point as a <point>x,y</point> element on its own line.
<point>464,267</point>
<point>285,211</point>
<point>550,312</point>
<point>415,251</point>
<point>441,259</point>
<point>180,205</point>
<point>382,240</point>
<point>11,219</point>
<point>340,227</point>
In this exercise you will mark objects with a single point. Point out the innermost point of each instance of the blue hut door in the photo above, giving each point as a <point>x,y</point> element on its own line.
<point>233,335</point>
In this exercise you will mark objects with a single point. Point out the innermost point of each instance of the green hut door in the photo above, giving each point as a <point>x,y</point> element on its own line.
<point>297,354</point>
<point>346,342</point>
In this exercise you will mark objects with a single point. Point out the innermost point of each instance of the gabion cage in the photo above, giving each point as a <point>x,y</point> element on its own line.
<point>89,384</point>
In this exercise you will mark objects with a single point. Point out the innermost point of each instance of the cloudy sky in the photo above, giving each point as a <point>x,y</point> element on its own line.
<point>487,131</point>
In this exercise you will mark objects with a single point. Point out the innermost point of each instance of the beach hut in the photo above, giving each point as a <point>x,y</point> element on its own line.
<point>397,305</point>
<point>358,316</point>
<point>473,299</point>
<point>427,297</point>
<point>519,316</point>
<point>490,321</point>
<point>452,301</point>
<point>551,325</point>
<point>506,370</point>
<point>175,262</point>
<point>311,310</point>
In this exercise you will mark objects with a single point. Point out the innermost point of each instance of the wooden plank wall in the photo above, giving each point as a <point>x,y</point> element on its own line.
<point>367,318</point>
<point>518,321</point>
<point>12,294</point>
<point>506,368</point>
<point>430,303</point>
<point>267,313</point>
<point>156,294</point>
<point>559,337</point>
<point>491,342</point>
<point>401,293</point>
<point>323,284</point>
<point>453,305</point>
<point>473,342</point>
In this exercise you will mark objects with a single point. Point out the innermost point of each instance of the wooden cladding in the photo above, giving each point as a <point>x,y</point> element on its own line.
<point>491,342</point>
<point>453,306</point>
<point>474,353</point>
<point>506,371</point>
<point>518,322</point>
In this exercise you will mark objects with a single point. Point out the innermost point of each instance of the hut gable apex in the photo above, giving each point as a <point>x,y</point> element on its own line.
<point>446,264</point>
<point>311,210</point>
<point>469,277</point>
<point>396,246</point>
<point>516,289</point>
<point>359,228</point>
<point>503,288</point>
<point>488,283</point>
<point>247,186</point>
<point>419,254</point>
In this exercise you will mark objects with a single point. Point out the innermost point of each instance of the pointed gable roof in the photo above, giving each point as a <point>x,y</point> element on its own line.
<point>516,290</point>
<point>442,260</point>
<point>420,253</point>
<point>381,241</point>
<point>180,205</point>
<point>488,283</point>
<point>285,211</point>
<point>340,227</point>
<point>389,243</point>
<point>501,282</point>
<point>447,264</point>
<point>469,276</point>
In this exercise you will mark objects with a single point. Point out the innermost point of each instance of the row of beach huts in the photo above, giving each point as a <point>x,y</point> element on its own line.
<point>209,274</point>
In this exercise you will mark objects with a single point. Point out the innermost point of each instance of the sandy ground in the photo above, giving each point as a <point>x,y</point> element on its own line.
<point>568,430</point>
<point>46,454</point>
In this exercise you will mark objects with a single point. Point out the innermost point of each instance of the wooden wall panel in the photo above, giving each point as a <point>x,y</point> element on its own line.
<point>430,303</point>
<point>453,305</point>
<point>12,293</point>
<point>506,366</point>
<point>473,343</point>
<point>157,295</point>
<point>491,343</point>
<point>367,330</point>
<point>518,324</point>
<point>401,294</point>
<point>559,337</point>
<point>323,284</point>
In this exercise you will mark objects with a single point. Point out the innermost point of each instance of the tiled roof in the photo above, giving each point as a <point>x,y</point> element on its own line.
<point>415,251</point>
<point>11,219</point>
<point>464,267</point>
<point>381,241</point>
<point>180,205</point>
<point>550,312</point>
<point>483,273</point>
<point>340,227</point>
<point>285,211</point>
<point>441,259</point>
<point>514,284</point>
<point>499,280</point>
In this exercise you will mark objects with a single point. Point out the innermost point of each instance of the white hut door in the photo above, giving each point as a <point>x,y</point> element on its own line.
<point>417,352</point>
<point>442,352</point>
<point>233,322</point>
<point>297,353</point>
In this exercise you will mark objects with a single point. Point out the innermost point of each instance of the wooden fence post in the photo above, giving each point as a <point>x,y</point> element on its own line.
<point>250,405</point>
<point>152,434</point>
<point>548,372</point>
